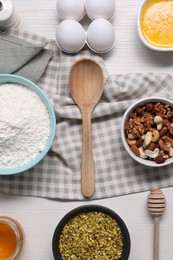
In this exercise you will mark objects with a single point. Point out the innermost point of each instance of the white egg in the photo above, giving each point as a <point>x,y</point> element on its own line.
<point>100,9</point>
<point>100,35</point>
<point>70,9</point>
<point>70,36</point>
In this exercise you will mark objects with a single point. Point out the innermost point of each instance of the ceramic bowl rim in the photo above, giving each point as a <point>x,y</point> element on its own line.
<point>124,121</point>
<point>89,208</point>
<point>142,38</point>
<point>12,78</point>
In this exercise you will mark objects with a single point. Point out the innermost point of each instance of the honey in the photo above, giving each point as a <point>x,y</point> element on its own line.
<point>157,23</point>
<point>11,238</point>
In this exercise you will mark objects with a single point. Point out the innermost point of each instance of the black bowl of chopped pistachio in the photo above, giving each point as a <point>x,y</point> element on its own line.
<point>91,232</point>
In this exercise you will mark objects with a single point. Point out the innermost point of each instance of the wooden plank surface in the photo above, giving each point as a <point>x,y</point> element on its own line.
<point>38,216</point>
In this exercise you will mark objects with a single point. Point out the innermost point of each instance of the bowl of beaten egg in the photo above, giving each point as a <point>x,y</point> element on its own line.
<point>27,124</point>
<point>155,24</point>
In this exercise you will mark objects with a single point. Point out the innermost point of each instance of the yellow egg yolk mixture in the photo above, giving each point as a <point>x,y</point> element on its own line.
<point>157,23</point>
<point>8,241</point>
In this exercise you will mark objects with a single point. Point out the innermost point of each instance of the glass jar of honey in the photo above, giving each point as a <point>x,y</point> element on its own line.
<point>11,238</point>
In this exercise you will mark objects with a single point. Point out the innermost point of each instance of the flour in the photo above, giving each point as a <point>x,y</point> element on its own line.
<point>24,125</point>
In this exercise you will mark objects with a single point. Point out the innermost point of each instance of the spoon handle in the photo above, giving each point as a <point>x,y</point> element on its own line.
<point>156,238</point>
<point>88,175</point>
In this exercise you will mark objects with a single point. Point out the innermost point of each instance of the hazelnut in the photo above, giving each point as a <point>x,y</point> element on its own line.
<point>149,107</point>
<point>139,111</point>
<point>160,159</point>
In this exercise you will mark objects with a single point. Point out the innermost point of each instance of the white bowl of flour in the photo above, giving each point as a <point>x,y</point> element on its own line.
<point>27,124</point>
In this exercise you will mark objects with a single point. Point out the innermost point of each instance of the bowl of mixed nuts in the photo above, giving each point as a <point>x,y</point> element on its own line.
<point>91,232</point>
<point>147,131</point>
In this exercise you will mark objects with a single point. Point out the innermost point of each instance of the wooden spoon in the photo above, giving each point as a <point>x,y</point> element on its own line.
<point>156,206</point>
<point>86,86</point>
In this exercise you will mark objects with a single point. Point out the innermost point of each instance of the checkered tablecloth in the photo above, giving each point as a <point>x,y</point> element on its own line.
<point>58,175</point>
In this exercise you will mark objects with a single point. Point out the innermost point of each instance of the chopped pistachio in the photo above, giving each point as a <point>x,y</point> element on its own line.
<point>91,236</point>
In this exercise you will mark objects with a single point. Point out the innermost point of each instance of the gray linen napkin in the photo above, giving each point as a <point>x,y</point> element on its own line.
<point>23,58</point>
<point>58,175</point>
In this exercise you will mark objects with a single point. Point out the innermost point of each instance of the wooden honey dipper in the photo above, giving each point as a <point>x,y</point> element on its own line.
<point>156,205</point>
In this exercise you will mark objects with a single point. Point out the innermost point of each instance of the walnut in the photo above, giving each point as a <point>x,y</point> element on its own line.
<point>148,121</point>
<point>133,115</point>
<point>135,127</point>
<point>165,143</point>
<point>170,127</point>
<point>163,115</point>
<point>169,114</point>
<point>158,107</point>
<point>163,110</point>
<point>167,140</point>
<point>163,146</point>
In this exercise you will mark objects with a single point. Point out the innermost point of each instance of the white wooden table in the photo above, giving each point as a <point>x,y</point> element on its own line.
<point>38,216</point>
